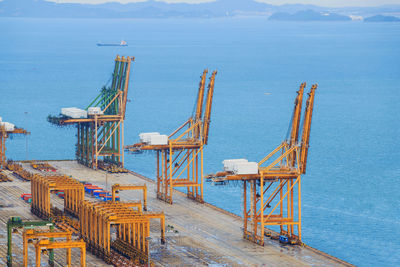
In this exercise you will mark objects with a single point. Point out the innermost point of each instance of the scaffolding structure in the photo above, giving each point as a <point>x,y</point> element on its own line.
<point>101,134</point>
<point>180,160</point>
<point>272,195</point>
<point>4,134</point>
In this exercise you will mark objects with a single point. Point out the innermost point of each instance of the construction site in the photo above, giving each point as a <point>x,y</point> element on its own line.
<point>92,211</point>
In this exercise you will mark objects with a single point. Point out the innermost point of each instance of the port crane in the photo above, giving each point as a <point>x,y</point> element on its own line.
<point>118,187</point>
<point>100,127</point>
<point>180,155</point>
<point>7,129</point>
<point>272,187</point>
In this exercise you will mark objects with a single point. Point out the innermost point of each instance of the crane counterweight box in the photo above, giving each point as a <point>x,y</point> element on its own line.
<point>145,137</point>
<point>158,139</point>
<point>95,111</point>
<point>229,163</point>
<point>75,113</point>
<point>245,168</point>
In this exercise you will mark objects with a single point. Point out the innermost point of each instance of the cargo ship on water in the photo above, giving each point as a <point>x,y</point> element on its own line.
<point>122,43</point>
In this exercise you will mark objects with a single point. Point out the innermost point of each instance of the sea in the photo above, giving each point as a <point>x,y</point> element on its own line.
<point>351,191</point>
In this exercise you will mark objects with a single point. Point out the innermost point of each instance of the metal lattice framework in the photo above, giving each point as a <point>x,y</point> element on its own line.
<point>275,191</point>
<point>4,134</point>
<point>180,162</point>
<point>32,234</point>
<point>41,188</point>
<point>102,135</point>
<point>133,229</point>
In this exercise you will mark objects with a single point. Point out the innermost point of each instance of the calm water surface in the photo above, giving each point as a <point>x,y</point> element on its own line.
<point>351,203</point>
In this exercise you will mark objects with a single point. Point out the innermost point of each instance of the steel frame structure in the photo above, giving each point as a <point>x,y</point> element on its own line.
<point>15,223</point>
<point>276,190</point>
<point>180,161</point>
<point>46,244</point>
<point>118,187</point>
<point>41,187</point>
<point>133,228</point>
<point>30,234</point>
<point>3,137</point>
<point>102,135</point>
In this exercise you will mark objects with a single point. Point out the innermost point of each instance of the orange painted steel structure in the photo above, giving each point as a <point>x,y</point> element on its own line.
<point>133,228</point>
<point>102,135</point>
<point>183,155</point>
<point>41,187</point>
<point>4,134</point>
<point>117,187</point>
<point>46,244</point>
<point>30,234</point>
<point>276,188</point>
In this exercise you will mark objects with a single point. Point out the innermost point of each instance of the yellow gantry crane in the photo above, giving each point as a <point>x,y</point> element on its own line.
<point>32,234</point>
<point>275,181</point>
<point>7,129</point>
<point>180,155</point>
<point>118,187</point>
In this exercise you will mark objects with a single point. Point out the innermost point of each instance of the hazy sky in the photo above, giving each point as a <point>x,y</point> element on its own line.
<point>330,3</point>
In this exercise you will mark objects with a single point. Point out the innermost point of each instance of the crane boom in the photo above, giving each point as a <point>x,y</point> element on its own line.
<point>296,118</point>
<point>207,112</point>
<point>199,103</point>
<point>305,140</point>
<point>200,96</point>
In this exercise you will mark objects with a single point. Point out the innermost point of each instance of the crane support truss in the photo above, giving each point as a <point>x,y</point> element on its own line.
<point>273,195</point>
<point>4,134</point>
<point>101,136</point>
<point>41,187</point>
<point>180,162</point>
<point>133,229</point>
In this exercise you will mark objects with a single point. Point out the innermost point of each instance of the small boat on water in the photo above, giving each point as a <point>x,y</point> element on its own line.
<point>122,43</point>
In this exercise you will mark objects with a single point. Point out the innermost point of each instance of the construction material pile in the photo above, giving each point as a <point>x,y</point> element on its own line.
<point>110,167</point>
<point>43,167</point>
<point>4,178</point>
<point>19,171</point>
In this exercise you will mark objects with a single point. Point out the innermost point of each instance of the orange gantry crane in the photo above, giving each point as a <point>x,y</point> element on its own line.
<point>118,187</point>
<point>7,129</point>
<point>133,229</point>
<point>100,127</point>
<point>47,244</point>
<point>275,181</point>
<point>180,155</point>
<point>42,186</point>
<point>32,234</point>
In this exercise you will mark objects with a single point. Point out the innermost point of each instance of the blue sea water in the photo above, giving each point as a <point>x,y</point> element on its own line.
<point>350,194</point>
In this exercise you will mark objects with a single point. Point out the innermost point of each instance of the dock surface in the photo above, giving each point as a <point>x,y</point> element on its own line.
<point>197,234</point>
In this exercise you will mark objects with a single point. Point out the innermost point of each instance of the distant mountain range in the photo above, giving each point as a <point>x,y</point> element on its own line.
<point>218,8</point>
<point>381,18</point>
<point>309,15</point>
